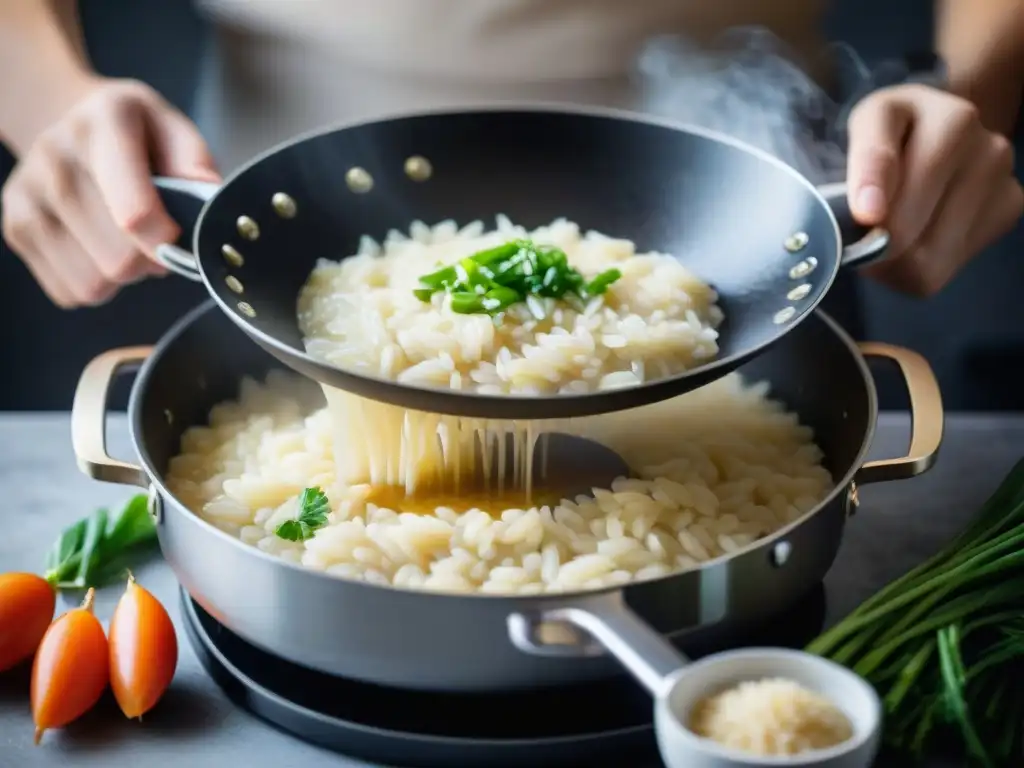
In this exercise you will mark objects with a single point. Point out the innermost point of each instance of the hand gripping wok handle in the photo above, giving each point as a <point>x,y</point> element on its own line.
<point>184,200</point>
<point>926,416</point>
<point>867,245</point>
<point>89,418</point>
<point>607,624</point>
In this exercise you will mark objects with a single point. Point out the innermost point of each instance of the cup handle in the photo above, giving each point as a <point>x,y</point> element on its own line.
<point>607,624</point>
<point>184,200</point>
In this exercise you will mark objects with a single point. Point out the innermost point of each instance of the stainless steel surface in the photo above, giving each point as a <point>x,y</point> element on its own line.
<point>645,653</point>
<point>177,259</point>
<point>574,465</point>
<point>461,642</point>
<point>869,248</point>
<point>898,526</point>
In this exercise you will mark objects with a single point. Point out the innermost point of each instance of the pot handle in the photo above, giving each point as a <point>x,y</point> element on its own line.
<point>868,244</point>
<point>607,624</point>
<point>926,416</point>
<point>89,418</point>
<point>184,200</point>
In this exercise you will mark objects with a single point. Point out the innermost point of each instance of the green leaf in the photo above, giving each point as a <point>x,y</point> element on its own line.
<point>95,530</point>
<point>84,553</point>
<point>132,526</point>
<point>313,511</point>
<point>69,542</point>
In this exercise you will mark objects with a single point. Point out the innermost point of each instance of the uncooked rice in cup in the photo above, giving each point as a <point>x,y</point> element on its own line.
<point>771,717</point>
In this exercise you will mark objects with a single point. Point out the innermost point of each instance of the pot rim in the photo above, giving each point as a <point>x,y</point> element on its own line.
<point>156,479</point>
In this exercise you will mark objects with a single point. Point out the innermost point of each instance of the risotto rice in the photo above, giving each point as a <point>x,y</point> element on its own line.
<point>717,469</point>
<point>361,314</point>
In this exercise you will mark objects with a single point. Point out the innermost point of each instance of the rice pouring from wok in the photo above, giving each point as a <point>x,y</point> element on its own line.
<point>367,490</point>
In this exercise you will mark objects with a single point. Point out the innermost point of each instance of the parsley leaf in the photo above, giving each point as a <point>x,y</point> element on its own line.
<point>313,511</point>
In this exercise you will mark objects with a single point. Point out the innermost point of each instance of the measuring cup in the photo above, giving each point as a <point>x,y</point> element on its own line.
<point>679,685</point>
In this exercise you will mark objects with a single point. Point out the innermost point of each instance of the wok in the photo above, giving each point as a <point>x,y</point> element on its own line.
<point>433,641</point>
<point>763,236</point>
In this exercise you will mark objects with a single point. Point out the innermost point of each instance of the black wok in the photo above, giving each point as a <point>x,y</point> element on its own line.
<point>763,236</point>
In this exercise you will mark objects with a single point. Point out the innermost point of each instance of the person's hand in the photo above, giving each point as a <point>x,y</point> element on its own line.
<point>922,165</point>
<point>80,208</point>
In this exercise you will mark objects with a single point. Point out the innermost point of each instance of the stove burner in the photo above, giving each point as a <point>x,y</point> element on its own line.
<point>593,724</point>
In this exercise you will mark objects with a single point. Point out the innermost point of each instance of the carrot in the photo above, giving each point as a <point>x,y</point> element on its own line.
<point>143,650</point>
<point>71,668</point>
<point>26,610</point>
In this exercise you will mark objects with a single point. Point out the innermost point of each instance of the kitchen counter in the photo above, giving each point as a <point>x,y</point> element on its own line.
<point>898,525</point>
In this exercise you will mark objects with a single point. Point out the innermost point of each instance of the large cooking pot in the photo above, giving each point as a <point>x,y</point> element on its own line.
<point>434,641</point>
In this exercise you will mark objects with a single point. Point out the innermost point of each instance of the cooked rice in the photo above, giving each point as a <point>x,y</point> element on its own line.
<point>717,469</point>
<point>771,717</point>
<point>360,313</point>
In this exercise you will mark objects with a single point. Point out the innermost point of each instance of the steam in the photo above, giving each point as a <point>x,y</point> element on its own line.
<point>748,87</point>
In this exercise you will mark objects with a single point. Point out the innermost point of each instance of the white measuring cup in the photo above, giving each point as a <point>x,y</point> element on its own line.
<point>679,685</point>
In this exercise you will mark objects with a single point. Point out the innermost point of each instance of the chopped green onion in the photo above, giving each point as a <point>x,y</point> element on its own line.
<point>466,303</point>
<point>600,283</point>
<point>492,280</point>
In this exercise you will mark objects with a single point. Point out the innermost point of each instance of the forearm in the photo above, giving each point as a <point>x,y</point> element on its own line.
<point>982,42</point>
<point>44,64</point>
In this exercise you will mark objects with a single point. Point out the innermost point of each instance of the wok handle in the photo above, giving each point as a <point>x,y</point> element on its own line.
<point>184,200</point>
<point>926,416</point>
<point>89,418</point>
<point>607,624</point>
<point>868,244</point>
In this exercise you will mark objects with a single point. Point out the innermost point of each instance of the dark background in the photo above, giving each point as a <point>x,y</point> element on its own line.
<point>972,333</point>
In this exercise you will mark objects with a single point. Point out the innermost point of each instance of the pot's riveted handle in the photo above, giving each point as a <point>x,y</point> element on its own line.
<point>926,416</point>
<point>89,417</point>
<point>861,245</point>
<point>184,200</point>
<point>607,623</point>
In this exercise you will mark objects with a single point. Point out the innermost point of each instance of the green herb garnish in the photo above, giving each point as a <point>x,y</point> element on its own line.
<point>313,511</point>
<point>944,644</point>
<point>490,281</point>
<point>98,549</point>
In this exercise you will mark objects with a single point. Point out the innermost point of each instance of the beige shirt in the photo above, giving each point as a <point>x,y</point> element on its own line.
<point>288,66</point>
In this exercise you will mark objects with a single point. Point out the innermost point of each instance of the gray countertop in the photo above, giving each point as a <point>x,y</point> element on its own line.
<point>898,525</point>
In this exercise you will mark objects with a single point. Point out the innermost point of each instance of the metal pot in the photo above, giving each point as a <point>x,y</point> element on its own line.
<point>446,642</point>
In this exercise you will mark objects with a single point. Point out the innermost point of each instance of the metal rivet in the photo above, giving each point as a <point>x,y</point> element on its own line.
<point>155,505</point>
<point>169,416</point>
<point>797,242</point>
<point>246,309</point>
<point>231,256</point>
<point>804,268</point>
<point>784,315</point>
<point>248,228</point>
<point>359,180</point>
<point>781,553</point>
<point>284,205</point>
<point>852,500</point>
<point>234,284</point>
<point>800,292</point>
<point>418,168</point>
